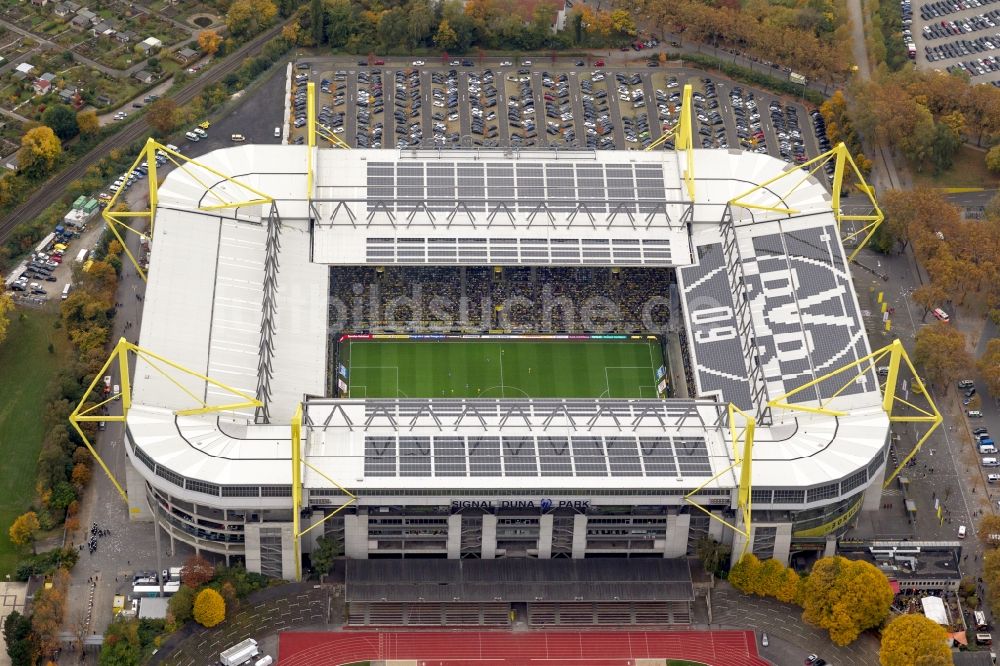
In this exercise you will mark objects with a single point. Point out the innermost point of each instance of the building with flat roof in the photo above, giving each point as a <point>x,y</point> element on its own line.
<point>762,303</point>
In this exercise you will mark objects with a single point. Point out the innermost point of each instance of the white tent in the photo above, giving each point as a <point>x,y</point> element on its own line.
<point>934,609</point>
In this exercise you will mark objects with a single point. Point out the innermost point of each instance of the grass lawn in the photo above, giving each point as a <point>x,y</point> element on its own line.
<point>501,368</point>
<point>27,368</point>
<point>969,170</point>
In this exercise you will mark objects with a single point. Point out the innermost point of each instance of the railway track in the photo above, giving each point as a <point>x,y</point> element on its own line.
<point>53,188</point>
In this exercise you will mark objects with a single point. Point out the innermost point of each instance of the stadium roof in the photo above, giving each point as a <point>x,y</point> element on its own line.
<point>767,298</point>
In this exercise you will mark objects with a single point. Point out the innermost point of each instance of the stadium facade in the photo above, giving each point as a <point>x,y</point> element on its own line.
<point>765,301</point>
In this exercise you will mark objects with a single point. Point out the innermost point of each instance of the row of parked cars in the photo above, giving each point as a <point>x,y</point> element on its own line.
<point>749,129</point>
<point>819,126</point>
<point>944,7</point>
<point>40,268</point>
<point>962,47</point>
<point>976,67</point>
<point>407,102</point>
<point>598,126</point>
<point>483,95</point>
<point>791,145</point>
<point>943,29</point>
<point>371,103</point>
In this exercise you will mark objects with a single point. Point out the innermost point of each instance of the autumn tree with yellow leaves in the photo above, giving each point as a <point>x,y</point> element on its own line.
<point>914,640</point>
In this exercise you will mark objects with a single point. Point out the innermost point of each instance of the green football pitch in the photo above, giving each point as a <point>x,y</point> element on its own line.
<point>501,368</point>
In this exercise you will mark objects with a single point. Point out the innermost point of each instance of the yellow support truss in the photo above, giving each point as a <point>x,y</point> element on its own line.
<point>681,132</point>
<point>741,439</point>
<point>89,413</point>
<point>297,462</point>
<point>898,409</point>
<point>147,155</point>
<point>775,203</point>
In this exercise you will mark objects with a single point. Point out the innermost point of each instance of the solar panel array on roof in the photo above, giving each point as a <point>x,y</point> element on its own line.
<point>520,186</point>
<point>533,455</point>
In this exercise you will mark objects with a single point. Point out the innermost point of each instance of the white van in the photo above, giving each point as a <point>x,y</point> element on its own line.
<point>987,448</point>
<point>65,291</point>
<point>277,131</point>
<point>993,478</point>
<point>974,414</point>
<point>192,136</point>
<point>961,531</point>
<point>990,462</point>
<point>940,314</point>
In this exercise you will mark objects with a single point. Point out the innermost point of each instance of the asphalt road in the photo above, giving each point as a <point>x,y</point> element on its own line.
<point>53,189</point>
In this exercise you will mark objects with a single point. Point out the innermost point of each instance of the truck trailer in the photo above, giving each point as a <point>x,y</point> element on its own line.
<point>239,654</point>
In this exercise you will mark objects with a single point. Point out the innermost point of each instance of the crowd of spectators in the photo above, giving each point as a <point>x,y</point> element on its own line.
<point>515,299</point>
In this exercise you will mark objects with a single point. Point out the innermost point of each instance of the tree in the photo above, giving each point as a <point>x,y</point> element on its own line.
<point>209,608</point>
<point>714,556</point>
<point>197,571</point>
<point>845,597</point>
<point>914,639</point>
<point>993,159</point>
<point>209,41</point>
<point>62,120</point>
<point>6,307</point>
<point>324,554</point>
<point>929,296</point>
<point>989,366</point>
<point>989,531</point>
<point>46,618</point>
<point>87,122</point>
<point>940,353</point>
<point>181,605</point>
<point>991,574</point>
<point>121,645</point>
<point>745,573</point>
<point>17,635</point>
<point>40,148</point>
<point>317,21</point>
<point>24,529</point>
<point>246,18</point>
<point>80,475</point>
<point>162,115</point>
<point>445,38</point>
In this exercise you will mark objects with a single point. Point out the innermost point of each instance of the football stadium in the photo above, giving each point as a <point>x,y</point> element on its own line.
<point>495,379</point>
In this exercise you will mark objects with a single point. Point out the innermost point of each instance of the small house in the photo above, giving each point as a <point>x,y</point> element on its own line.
<point>79,22</point>
<point>185,55</point>
<point>23,71</point>
<point>142,76</point>
<point>149,45</point>
<point>90,16</point>
<point>73,7</point>
<point>103,29</point>
<point>61,10</point>
<point>42,86</point>
<point>68,95</point>
<point>39,3</point>
<point>127,36</point>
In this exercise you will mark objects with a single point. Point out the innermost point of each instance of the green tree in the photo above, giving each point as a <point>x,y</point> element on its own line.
<point>62,120</point>
<point>181,605</point>
<point>17,634</point>
<point>341,22</point>
<point>162,115</point>
<point>317,17</point>
<point>323,556</point>
<point>121,645</point>
<point>914,639</point>
<point>209,608</point>
<point>714,556</point>
<point>845,597</point>
<point>993,159</point>
<point>445,38</point>
<point>392,29</point>
<point>420,26</point>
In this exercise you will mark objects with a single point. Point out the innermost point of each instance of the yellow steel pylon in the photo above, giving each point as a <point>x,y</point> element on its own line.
<point>117,219</point>
<point>742,443</point>
<point>842,157</point>
<point>681,132</point>
<point>891,355</point>
<point>297,462</point>
<point>85,413</point>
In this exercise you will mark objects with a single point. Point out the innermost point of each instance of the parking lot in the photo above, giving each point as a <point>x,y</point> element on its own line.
<point>953,35</point>
<point>534,105</point>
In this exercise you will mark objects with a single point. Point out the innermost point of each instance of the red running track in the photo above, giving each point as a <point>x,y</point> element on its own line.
<point>456,648</point>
